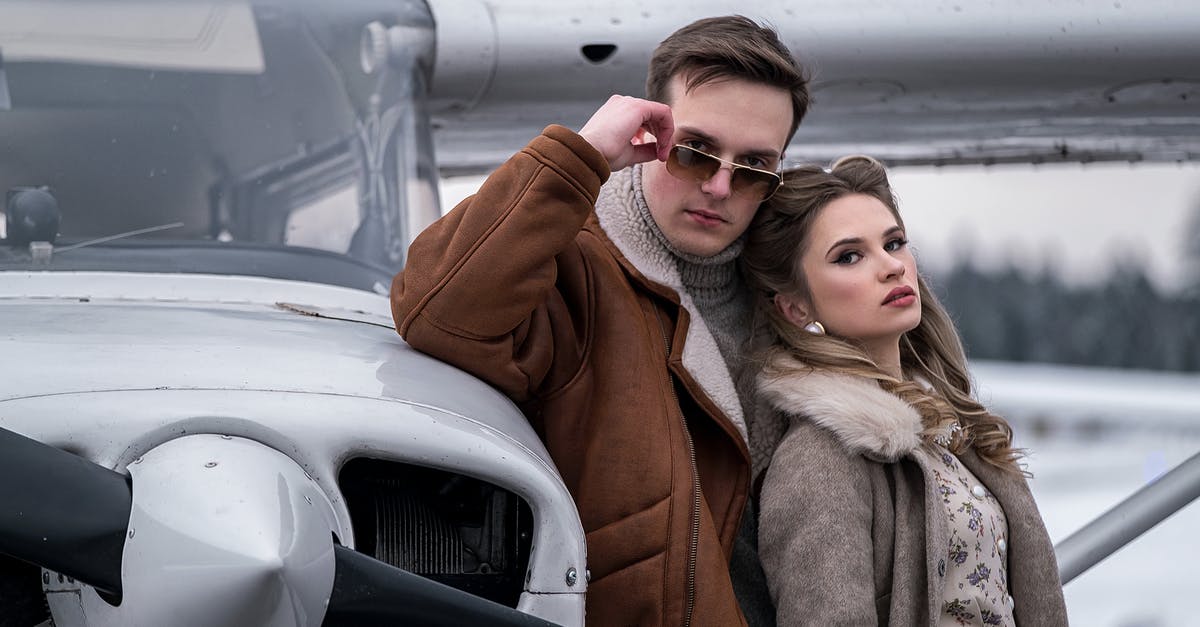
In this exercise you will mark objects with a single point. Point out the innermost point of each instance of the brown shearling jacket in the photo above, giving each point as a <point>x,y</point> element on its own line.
<point>521,286</point>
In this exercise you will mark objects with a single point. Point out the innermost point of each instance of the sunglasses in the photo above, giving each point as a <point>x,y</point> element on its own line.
<point>689,164</point>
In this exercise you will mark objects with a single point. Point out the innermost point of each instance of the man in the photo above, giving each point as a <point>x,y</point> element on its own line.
<point>605,312</point>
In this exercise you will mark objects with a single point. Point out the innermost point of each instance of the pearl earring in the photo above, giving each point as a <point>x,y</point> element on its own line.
<point>814,327</point>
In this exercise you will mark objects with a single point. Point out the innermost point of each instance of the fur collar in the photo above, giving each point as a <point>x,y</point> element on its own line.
<point>617,211</point>
<point>867,419</point>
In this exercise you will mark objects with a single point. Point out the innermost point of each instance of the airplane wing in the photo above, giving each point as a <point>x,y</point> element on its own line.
<point>914,82</point>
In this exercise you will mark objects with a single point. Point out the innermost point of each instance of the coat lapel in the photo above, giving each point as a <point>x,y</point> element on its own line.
<point>617,212</point>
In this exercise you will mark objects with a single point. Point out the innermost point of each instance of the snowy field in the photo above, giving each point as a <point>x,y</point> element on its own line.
<point>1094,438</point>
<point>1149,583</point>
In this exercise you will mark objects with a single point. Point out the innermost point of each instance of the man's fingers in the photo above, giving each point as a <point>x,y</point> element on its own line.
<point>643,153</point>
<point>657,121</point>
<point>662,127</point>
<point>618,130</point>
<point>664,150</point>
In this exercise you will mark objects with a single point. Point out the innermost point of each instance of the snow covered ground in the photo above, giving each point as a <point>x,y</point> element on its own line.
<point>1095,437</point>
<point>1150,582</point>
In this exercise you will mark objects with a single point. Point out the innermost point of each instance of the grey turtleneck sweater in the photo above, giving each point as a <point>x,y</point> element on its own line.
<point>716,287</point>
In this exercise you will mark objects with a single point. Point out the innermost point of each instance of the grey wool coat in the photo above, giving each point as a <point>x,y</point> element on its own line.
<point>851,529</point>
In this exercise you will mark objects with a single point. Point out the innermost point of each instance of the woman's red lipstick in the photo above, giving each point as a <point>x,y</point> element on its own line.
<point>900,297</point>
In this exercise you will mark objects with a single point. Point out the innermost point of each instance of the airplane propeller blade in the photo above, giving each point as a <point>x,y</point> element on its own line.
<point>69,515</point>
<point>62,512</point>
<point>369,593</point>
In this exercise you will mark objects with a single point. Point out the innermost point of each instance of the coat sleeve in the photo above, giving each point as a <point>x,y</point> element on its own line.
<point>815,532</point>
<point>479,288</point>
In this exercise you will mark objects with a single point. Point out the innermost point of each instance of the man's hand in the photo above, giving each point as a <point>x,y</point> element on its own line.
<point>618,130</point>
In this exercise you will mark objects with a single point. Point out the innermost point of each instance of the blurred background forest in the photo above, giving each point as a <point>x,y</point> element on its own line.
<point>1084,265</point>
<point>1049,264</point>
<point>1125,322</point>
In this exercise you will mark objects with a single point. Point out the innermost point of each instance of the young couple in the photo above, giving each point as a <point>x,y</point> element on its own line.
<point>595,279</point>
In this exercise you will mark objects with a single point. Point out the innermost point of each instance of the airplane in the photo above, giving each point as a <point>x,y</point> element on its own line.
<point>207,417</point>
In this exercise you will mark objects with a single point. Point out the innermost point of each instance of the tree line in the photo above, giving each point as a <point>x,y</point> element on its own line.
<point>1124,322</point>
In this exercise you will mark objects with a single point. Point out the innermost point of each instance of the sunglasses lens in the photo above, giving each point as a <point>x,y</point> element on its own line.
<point>691,165</point>
<point>755,183</point>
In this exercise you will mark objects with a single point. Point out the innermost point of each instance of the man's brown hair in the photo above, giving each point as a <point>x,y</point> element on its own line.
<point>731,46</point>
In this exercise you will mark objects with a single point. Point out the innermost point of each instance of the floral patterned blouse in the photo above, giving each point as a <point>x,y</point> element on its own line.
<point>976,591</point>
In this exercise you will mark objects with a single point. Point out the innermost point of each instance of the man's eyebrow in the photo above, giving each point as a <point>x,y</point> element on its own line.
<point>712,141</point>
<point>697,133</point>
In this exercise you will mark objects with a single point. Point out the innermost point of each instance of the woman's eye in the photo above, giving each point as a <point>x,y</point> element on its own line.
<point>847,257</point>
<point>896,244</point>
<point>696,144</point>
<point>758,163</point>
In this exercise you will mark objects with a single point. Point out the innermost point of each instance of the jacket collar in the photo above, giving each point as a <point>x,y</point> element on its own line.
<point>619,218</point>
<point>867,419</point>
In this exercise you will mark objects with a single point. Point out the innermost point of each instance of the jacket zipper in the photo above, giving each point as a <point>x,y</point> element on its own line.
<point>694,539</point>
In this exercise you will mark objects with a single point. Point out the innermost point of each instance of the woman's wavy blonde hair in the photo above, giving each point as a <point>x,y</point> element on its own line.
<point>932,351</point>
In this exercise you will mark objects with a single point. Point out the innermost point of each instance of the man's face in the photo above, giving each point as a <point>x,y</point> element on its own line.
<point>733,119</point>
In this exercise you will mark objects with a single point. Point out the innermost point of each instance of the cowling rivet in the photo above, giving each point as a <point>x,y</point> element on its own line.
<point>572,576</point>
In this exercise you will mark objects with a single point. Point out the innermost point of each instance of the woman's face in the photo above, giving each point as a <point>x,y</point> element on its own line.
<point>861,275</point>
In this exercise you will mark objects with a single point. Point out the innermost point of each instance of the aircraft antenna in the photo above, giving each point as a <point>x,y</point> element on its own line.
<point>109,238</point>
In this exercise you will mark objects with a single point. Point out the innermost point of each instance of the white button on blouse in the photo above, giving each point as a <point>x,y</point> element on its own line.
<point>975,581</point>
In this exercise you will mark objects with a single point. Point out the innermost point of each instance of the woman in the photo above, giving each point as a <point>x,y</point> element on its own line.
<point>893,497</point>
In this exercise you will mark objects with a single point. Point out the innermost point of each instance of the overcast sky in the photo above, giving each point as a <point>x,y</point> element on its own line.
<point>1079,219</point>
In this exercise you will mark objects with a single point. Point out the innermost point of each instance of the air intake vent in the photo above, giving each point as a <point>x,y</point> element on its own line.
<point>411,534</point>
<point>450,528</point>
